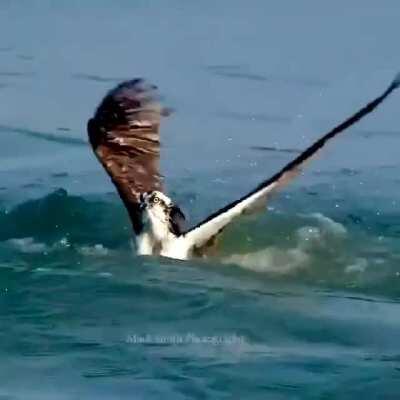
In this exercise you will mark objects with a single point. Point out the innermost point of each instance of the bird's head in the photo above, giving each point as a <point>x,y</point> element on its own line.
<point>161,213</point>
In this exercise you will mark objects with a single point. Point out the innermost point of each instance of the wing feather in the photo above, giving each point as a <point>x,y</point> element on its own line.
<point>124,134</point>
<point>216,222</point>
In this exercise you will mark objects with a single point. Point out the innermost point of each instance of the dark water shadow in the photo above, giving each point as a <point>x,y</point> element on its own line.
<point>275,149</point>
<point>6,49</point>
<point>97,78</point>
<point>241,72</point>
<point>235,72</point>
<point>16,74</point>
<point>25,57</point>
<point>49,137</point>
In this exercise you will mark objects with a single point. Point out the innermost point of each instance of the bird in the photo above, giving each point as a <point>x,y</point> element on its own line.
<point>124,135</point>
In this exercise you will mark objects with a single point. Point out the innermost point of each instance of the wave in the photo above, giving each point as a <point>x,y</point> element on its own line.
<point>60,228</point>
<point>60,215</point>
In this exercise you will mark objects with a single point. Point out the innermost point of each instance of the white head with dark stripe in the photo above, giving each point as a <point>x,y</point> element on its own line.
<point>160,214</point>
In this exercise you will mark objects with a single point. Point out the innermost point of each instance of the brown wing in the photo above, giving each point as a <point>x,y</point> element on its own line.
<point>124,134</point>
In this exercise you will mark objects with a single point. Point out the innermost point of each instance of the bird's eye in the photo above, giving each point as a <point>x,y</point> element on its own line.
<point>156,200</point>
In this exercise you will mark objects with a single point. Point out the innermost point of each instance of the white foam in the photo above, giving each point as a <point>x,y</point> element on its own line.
<point>309,236</point>
<point>324,234</point>
<point>271,259</point>
<point>330,225</point>
<point>359,265</point>
<point>28,245</point>
<point>97,250</point>
<point>282,260</point>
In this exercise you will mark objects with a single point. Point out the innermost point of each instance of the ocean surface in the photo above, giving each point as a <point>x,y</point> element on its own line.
<point>303,300</point>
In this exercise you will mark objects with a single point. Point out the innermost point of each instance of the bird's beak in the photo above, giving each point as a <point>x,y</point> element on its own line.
<point>142,204</point>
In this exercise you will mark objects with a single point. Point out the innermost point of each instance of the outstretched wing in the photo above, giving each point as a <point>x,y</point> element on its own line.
<point>206,230</point>
<point>124,134</point>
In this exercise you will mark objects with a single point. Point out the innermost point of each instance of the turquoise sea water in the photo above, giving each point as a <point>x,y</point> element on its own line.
<point>302,301</point>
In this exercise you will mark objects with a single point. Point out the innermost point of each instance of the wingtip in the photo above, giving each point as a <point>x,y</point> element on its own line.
<point>396,81</point>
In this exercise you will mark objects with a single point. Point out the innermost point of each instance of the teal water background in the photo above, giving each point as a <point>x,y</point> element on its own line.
<point>303,301</point>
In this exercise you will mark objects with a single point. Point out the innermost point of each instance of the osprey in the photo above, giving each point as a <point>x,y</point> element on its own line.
<point>124,135</point>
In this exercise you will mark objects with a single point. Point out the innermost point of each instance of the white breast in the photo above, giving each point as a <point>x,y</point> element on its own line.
<point>170,246</point>
<point>176,247</point>
<point>145,244</point>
